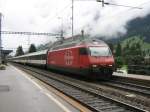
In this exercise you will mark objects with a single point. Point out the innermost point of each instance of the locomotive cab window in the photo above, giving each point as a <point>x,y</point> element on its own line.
<point>83,51</point>
<point>100,51</point>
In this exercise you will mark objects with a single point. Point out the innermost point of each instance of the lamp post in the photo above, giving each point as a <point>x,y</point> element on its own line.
<point>72,18</point>
<point>0,39</point>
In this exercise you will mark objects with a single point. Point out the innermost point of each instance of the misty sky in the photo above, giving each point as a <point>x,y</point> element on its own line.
<point>48,16</point>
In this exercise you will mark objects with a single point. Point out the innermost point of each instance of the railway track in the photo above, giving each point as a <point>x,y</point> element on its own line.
<point>82,92</point>
<point>131,80</point>
<point>137,89</point>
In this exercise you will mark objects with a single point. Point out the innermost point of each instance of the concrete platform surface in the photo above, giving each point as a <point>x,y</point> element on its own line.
<point>18,93</point>
<point>143,77</point>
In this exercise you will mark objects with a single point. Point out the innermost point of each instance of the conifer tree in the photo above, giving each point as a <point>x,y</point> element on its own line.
<point>19,51</point>
<point>32,48</point>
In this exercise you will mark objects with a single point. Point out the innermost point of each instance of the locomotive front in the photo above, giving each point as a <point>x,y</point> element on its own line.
<point>102,61</point>
<point>98,59</point>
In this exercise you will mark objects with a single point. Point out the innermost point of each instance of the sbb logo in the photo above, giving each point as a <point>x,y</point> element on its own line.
<point>68,58</point>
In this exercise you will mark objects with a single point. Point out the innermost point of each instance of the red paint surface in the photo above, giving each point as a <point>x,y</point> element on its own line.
<point>70,58</point>
<point>64,58</point>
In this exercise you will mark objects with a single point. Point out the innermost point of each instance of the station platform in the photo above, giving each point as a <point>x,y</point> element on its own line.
<point>19,93</point>
<point>135,76</point>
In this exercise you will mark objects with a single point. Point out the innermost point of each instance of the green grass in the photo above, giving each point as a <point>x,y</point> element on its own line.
<point>124,67</point>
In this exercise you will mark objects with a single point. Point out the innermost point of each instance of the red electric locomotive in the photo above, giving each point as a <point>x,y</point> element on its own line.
<point>83,56</point>
<point>79,55</point>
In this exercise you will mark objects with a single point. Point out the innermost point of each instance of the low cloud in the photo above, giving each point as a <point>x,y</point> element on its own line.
<point>48,16</point>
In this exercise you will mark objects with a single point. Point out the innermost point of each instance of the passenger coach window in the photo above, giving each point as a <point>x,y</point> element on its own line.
<point>44,56</point>
<point>83,51</point>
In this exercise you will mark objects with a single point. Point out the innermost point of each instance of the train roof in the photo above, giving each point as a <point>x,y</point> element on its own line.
<point>77,41</point>
<point>34,53</point>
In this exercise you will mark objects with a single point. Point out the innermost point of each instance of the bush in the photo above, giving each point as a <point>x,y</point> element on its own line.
<point>119,62</point>
<point>2,67</point>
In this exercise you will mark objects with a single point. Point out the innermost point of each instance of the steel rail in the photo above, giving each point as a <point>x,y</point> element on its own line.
<point>137,89</point>
<point>87,96</point>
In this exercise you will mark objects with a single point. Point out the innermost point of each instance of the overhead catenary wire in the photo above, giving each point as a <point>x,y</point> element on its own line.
<point>121,5</point>
<point>121,12</point>
<point>106,3</point>
<point>28,33</point>
<point>124,11</point>
<point>50,34</point>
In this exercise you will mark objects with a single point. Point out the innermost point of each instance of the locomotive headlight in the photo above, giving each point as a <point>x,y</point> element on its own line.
<point>94,65</point>
<point>110,65</point>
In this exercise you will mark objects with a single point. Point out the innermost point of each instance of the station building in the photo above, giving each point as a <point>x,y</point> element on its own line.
<point>4,54</point>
